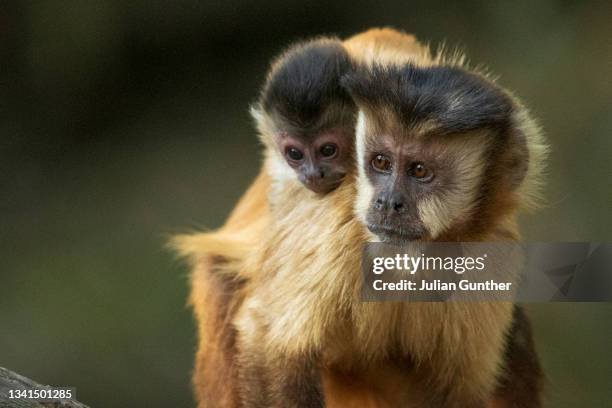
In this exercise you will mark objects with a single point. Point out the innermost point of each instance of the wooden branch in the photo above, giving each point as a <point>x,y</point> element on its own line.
<point>13,381</point>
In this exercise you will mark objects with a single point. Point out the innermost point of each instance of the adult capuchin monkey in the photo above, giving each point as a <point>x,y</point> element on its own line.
<point>351,372</point>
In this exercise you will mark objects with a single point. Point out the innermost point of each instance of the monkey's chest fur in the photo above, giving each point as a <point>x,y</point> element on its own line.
<point>307,304</point>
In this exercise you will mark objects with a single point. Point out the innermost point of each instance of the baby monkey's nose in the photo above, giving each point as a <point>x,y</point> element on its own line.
<point>314,176</point>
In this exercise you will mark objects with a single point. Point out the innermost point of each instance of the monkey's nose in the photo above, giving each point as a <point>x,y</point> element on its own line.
<point>394,203</point>
<point>397,206</point>
<point>314,177</point>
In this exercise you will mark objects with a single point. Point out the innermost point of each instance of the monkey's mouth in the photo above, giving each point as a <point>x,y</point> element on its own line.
<point>324,187</point>
<point>396,235</point>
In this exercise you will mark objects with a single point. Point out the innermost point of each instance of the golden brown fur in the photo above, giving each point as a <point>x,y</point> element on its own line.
<point>385,46</point>
<point>320,313</point>
<point>299,277</point>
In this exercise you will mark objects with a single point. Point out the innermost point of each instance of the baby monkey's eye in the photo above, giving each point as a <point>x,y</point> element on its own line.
<point>381,163</point>
<point>420,172</point>
<point>328,150</point>
<point>294,154</point>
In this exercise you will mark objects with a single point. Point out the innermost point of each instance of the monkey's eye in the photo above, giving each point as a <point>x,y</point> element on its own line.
<point>381,163</point>
<point>328,150</point>
<point>420,172</point>
<point>294,154</point>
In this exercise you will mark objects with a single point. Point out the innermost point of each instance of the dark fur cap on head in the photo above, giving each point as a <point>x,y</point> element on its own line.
<point>452,98</point>
<point>305,81</point>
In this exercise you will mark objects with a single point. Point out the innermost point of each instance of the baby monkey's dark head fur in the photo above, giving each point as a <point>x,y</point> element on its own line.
<point>306,116</point>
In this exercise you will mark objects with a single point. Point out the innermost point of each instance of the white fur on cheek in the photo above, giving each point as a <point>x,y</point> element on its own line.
<point>279,169</point>
<point>360,136</point>
<point>276,165</point>
<point>364,188</point>
<point>364,198</point>
<point>281,174</point>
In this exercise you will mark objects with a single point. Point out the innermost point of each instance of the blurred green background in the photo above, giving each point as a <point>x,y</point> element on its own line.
<point>123,122</point>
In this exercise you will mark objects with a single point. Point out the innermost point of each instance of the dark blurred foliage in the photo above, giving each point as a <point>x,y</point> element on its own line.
<point>123,122</point>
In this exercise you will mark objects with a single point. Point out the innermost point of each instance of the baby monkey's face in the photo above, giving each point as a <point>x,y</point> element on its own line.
<point>320,159</point>
<point>307,116</point>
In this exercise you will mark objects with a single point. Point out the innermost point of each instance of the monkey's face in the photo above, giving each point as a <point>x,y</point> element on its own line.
<point>419,186</point>
<point>320,159</point>
<point>399,179</point>
<point>435,147</point>
<point>307,117</point>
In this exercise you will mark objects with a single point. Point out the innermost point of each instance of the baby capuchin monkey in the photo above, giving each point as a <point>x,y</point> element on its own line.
<point>305,118</point>
<point>306,123</point>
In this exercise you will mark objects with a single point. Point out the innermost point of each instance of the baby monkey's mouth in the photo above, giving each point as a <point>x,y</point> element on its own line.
<point>325,185</point>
